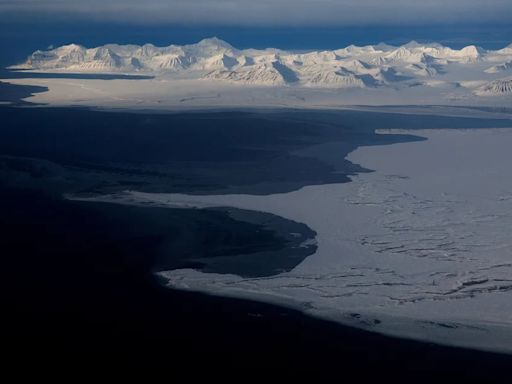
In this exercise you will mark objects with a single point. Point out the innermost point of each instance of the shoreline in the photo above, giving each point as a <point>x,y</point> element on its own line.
<point>278,246</point>
<point>113,309</point>
<point>400,326</point>
<point>110,95</point>
<point>476,284</point>
<point>107,301</point>
<point>369,322</point>
<point>30,91</point>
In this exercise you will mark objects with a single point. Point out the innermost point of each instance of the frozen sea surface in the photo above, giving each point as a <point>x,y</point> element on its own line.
<point>419,248</point>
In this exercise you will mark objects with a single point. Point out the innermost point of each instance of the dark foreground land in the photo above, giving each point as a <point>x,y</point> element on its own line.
<point>78,289</point>
<point>75,301</point>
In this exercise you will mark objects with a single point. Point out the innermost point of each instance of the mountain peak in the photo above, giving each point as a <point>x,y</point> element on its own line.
<point>216,42</point>
<point>412,44</point>
<point>472,51</point>
<point>215,59</point>
<point>70,47</point>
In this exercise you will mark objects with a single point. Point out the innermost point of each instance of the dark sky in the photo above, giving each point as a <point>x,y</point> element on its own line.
<point>267,12</point>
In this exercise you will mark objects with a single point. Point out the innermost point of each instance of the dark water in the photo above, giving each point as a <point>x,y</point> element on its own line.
<point>21,74</point>
<point>224,152</point>
<point>14,94</point>
<point>62,151</point>
<point>214,240</point>
<point>79,276</point>
<point>78,299</point>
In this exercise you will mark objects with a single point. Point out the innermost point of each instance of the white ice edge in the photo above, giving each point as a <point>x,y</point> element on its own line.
<point>423,244</point>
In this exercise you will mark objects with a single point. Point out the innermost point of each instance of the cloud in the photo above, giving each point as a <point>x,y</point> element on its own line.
<point>266,12</point>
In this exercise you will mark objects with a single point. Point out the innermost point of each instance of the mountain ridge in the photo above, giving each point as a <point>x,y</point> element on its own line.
<point>216,60</point>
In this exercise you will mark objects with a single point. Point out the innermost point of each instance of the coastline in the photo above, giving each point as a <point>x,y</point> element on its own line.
<point>312,337</point>
<point>102,307</point>
<point>411,280</point>
<point>181,95</point>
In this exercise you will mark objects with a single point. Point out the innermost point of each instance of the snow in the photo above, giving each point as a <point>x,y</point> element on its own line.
<point>420,248</point>
<point>422,244</point>
<point>499,68</point>
<point>213,74</point>
<point>215,59</point>
<point>496,88</point>
<point>179,94</point>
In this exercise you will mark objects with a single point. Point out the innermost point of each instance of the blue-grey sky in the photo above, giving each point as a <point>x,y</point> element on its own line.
<point>27,25</point>
<point>267,12</point>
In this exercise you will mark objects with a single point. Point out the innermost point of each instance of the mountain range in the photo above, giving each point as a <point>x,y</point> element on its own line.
<point>412,64</point>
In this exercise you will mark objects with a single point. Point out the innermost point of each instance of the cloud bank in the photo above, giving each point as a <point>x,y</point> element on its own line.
<point>266,12</point>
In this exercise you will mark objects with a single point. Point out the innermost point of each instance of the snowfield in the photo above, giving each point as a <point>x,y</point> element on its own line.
<point>420,248</point>
<point>212,73</point>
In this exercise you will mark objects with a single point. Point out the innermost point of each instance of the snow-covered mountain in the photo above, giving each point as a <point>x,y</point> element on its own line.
<point>496,87</point>
<point>500,68</point>
<point>351,67</point>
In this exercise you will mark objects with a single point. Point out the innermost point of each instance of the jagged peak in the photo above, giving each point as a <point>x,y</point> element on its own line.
<point>69,47</point>
<point>380,64</point>
<point>384,47</point>
<point>506,50</point>
<point>413,44</point>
